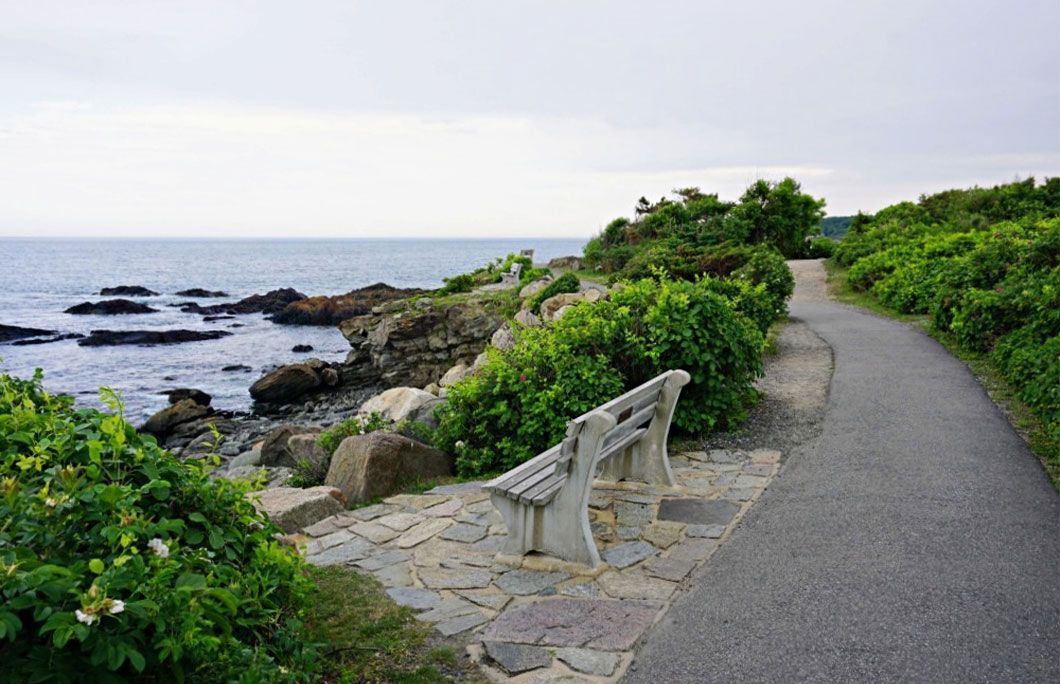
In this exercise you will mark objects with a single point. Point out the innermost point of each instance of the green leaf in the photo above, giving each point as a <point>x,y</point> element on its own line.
<point>190,581</point>
<point>197,517</point>
<point>96,566</point>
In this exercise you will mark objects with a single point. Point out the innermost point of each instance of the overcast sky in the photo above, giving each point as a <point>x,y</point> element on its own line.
<point>496,118</point>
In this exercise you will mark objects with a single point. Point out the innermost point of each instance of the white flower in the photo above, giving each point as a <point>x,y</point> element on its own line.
<point>459,444</point>
<point>116,606</point>
<point>51,502</point>
<point>158,547</point>
<point>84,617</point>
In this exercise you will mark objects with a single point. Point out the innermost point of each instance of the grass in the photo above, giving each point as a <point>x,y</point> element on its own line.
<point>369,638</point>
<point>1001,391</point>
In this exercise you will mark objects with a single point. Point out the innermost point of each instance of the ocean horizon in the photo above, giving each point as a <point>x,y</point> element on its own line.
<point>41,277</point>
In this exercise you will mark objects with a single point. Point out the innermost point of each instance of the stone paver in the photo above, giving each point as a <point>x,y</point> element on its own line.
<point>535,618</point>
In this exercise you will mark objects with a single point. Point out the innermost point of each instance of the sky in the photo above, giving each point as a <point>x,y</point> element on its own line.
<point>497,118</point>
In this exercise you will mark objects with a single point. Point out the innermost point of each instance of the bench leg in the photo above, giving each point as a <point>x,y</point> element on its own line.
<point>558,529</point>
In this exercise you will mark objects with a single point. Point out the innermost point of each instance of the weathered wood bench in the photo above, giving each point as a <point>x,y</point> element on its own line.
<point>512,276</point>
<point>545,500</point>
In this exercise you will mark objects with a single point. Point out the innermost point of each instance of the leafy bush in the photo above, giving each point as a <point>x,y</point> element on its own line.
<point>464,282</point>
<point>521,399</point>
<point>330,439</point>
<point>767,266</point>
<point>821,248</point>
<point>568,282</point>
<point>528,275</point>
<point>118,560</point>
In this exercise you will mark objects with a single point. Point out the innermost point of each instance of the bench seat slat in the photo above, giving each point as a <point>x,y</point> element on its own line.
<point>548,493</point>
<point>621,444</point>
<point>515,475</point>
<point>516,490</point>
<point>622,430</point>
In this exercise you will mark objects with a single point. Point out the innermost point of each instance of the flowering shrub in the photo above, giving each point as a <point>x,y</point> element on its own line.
<point>118,560</point>
<point>519,403</point>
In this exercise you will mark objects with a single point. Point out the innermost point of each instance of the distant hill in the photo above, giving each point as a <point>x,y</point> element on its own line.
<point>835,226</point>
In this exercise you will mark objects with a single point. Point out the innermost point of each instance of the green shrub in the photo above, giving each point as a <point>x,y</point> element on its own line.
<point>529,275</point>
<point>464,282</point>
<point>521,399</point>
<point>330,439</point>
<point>119,561</point>
<point>821,248</point>
<point>568,282</point>
<point>766,266</point>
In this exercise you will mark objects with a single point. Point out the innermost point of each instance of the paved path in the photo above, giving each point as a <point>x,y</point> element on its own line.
<point>915,539</point>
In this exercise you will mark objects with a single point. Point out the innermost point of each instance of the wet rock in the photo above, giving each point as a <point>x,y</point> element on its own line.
<point>110,307</point>
<point>270,303</point>
<point>237,368</point>
<point>127,291</point>
<point>198,396</point>
<point>163,422</point>
<point>199,292</point>
<point>99,338</point>
<point>368,466</point>
<point>285,384</point>
<point>47,340</point>
<point>9,333</point>
<point>222,317</point>
<point>300,348</point>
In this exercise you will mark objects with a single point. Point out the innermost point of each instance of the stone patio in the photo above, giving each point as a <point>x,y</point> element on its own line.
<point>535,618</point>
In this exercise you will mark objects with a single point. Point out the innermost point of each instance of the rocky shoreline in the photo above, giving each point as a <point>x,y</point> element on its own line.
<point>405,350</point>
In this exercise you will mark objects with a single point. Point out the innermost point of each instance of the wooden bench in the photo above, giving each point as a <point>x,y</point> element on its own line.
<point>512,277</point>
<point>545,500</point>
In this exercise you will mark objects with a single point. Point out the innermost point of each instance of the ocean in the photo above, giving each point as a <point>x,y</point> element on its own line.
<point>40,278</point>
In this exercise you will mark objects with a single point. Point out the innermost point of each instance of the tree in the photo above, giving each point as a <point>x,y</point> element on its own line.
<point>778,213</point>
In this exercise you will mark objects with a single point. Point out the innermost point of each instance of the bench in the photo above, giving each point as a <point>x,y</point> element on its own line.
<point>512,277</point>
<point>545,500</point>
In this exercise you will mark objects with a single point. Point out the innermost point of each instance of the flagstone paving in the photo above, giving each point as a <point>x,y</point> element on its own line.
<point>535,618</point>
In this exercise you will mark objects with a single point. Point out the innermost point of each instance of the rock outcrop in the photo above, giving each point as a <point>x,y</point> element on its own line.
<point>380,463</point>
<point>99,338</point>
<point>127,291</point>
<point>9,333</point>
<point>415,347</point>
<point>198,396</point>
<point>270,303</point>
<point>567,262</point>
<point>292,509</point>
<point>334,310</point>
<point>199,292</point>
<point>110,307</point>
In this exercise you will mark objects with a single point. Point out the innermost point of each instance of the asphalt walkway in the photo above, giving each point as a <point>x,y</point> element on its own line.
<point>915,539</point>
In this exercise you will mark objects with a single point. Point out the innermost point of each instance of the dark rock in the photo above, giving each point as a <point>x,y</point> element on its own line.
<point>110,307</point>
<point>237,367</point>
<point>14,332</point>
<point>330,376</point>
<point>198,396</point>
<point>285,384</point>
<point>334,310</point>
<point>112,337</point>
<point>222,317</point>
<point>276,449</point>
<point>199,292</point>
<point>299,348</point>
<point>46,340</point>
<point>698,511</point>
<point>377,464</point>
<point>165,420</point>
<point>270,303</point>
<point>127,291</point>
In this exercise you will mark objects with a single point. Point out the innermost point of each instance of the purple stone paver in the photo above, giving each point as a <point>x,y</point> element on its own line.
<point>599,624</point>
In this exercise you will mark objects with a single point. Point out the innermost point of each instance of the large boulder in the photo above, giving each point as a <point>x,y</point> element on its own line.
<point>304,447</point>
<point>567,262</point>
<point>184,411</point>
<point>199,292</point>
<point>536,286</point>
<point>334,310</point>
<point>401,403</point>
<point>293,509</point>
<point>550,306</point>
<point>285,384</point>
<point>276,448</point>
<point>380,463</point>
<point>198,396</point>
<point>270,304</point>
<point>527,318</point>
<point>14,332</point>
<point>127,291</point>
<point>100,338</point>
<point>503,338</point>
<point>455,375</point>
